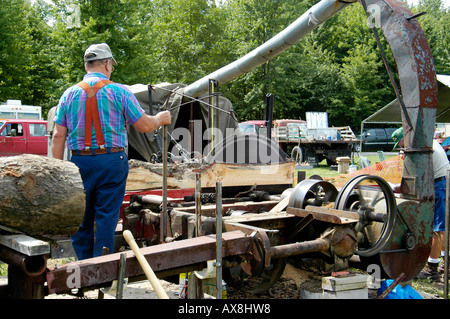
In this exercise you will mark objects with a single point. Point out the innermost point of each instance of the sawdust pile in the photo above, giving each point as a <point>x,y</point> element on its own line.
<point>288,286</point>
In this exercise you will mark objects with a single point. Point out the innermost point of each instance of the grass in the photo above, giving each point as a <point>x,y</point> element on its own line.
<point>3,269</point>
<point>426,285</point>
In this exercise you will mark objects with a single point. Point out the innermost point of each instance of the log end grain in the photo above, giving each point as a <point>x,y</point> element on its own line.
<point>40,195</point>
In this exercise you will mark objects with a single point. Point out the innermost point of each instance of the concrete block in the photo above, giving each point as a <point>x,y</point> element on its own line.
<point>346,294</point>
<point>349,282</point>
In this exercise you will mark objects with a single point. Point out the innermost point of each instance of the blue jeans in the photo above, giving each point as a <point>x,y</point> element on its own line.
<point>439,205</point>
<point>104,179</point>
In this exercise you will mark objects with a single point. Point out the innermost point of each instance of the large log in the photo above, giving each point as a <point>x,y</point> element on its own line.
<point>40,196</point>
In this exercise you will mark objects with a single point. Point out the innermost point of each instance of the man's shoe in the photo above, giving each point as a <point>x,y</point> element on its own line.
<point>430,271</point>
<point>441,267</point>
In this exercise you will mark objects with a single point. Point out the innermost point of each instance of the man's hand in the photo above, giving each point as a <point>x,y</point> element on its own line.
<point>149,123</point>
<point>164,118</point>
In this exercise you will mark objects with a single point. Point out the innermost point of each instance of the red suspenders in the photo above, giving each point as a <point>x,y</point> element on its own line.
<point>91,113</point>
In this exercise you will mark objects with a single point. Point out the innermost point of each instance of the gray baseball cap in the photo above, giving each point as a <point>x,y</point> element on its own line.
<point>98,51</point>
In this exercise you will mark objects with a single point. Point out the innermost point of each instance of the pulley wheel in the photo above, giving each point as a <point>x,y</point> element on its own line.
<point>253,276</point>
<point>374,201</point>
<point>312,192</point>
<point>246,149</point>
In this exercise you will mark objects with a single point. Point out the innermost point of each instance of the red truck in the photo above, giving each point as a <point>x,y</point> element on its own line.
<point>21,136</point>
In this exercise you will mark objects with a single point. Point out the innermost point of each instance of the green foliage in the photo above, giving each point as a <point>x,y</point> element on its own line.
<point>188,40</point>
<point>337,68</point>
<point>25,54</point>
<point>436,25</point>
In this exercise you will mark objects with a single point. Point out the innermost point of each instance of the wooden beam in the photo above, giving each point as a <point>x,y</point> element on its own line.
<point>143,175</point>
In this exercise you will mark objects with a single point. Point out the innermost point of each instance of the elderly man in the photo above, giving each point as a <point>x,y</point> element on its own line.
<point>92,116</point>
<point>440,168</point>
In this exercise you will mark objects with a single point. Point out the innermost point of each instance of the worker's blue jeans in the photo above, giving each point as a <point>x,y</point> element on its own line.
<point>104,178</point>
<point>439,205</point>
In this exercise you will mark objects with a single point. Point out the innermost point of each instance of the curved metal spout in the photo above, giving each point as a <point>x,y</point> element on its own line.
<point>310,20</point>
<point>417,79</point>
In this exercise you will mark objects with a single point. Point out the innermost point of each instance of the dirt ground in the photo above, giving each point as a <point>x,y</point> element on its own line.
<point>289,286</point>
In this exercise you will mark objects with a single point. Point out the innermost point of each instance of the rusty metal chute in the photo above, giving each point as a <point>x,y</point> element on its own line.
<point>419,92</point>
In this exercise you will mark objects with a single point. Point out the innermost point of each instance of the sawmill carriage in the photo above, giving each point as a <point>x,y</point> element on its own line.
<point>237,206</point>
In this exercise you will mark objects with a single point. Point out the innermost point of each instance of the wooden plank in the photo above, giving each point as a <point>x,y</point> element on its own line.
<point>325,214</point>
<point>246,229</point>
<point>143,175</point>
<point>238,174</point>
<point>149,176</point>
<point>280,206</point>
<point>248,218</point>
<point>337,212</point>
<point>211,208</point>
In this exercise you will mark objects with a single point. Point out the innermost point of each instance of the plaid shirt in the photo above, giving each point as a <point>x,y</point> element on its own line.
<point>116,104</point>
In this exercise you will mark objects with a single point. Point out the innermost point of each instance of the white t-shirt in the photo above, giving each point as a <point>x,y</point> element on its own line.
<point>440,160</point>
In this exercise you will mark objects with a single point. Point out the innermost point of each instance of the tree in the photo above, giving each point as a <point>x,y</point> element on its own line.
<point>187,39</point>
<point>25,54</point>
<point>250,24</point>
<point>436,25</point>
<point>363,85</point>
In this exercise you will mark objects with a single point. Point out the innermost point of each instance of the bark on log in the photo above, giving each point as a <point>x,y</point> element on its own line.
<point>40,196</point>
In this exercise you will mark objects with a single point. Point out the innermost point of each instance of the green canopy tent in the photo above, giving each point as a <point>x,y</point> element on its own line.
<point>392,113</point>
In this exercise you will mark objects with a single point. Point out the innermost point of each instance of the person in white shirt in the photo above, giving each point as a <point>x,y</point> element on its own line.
<point>440,167</point>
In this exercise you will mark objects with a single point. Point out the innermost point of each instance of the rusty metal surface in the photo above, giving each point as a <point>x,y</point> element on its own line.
<point>304,247</point>
<point>31,266</point>
<point>104,269</point>
<point>417,78</point>
<point>396,258</point>
<point>340,242</point>
<point>343,242</point>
